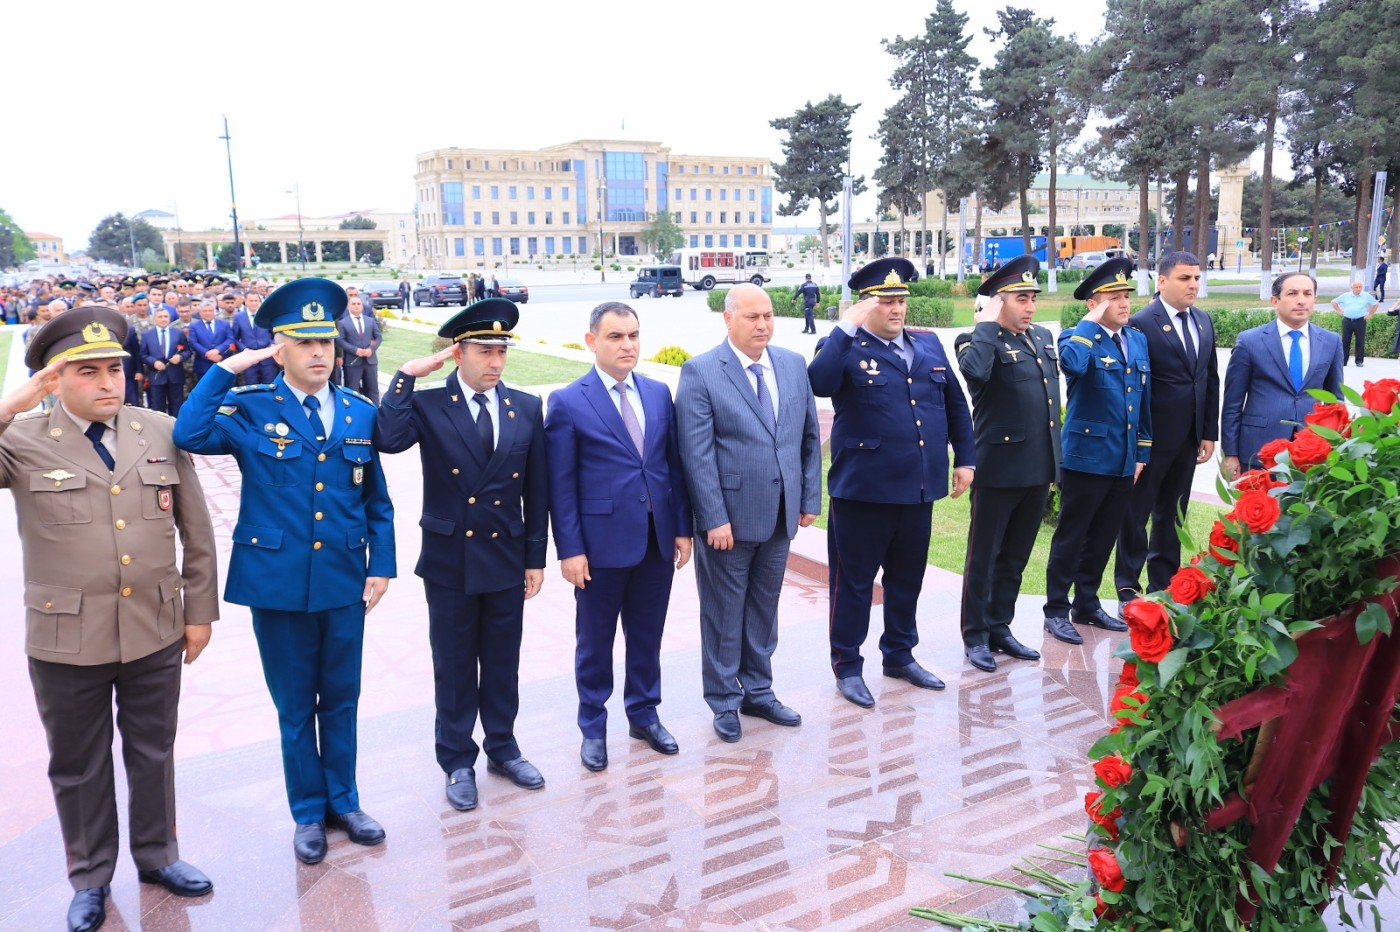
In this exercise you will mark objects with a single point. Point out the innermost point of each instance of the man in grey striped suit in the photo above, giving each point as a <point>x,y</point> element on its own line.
<point>752,458</point>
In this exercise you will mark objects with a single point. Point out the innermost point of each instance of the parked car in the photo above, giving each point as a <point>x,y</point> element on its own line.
<point>440,290</point>
<point>381,294</point>
<point>513,289</point>
<point>1088,260</point>
<point>658,280</point>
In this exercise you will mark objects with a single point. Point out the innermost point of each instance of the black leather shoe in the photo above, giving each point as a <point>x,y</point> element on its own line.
<point>981,658</point>
<point>461,789</point>
<point>727,726</point>
<point>913,673</point>
<point>1098,618</point>
<point>656,736</point>
<point>854,690</point>
<point>180,878</point>
<point>594,754</point>
<point>361,828</point>
<point>1011,647</point>
<point>1059,627</point>
<point>309,843</point>
<point>774,711</point>
<point>88,910</point>
<point>519,771</point>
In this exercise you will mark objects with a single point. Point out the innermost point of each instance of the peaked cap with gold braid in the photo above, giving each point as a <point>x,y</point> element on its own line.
<point>1018,274</point>
<point>305,309</point>
<point>1113,275</point>
<point>89,331</point>
<point>883,278</point>
<point>490,320</point>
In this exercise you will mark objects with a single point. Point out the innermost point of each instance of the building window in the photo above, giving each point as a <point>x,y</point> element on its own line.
<point>724,239</point>
<point>692,194</point>
<point>751,217</point>
<point>726,171</point>
<point>495,218</point>
<point>751,193</point>
<point>694,241</point>
<point>680,169</point>
<point>709,194</point>
<point>511,191</point>
<point>676,216</point>
<point>765,240</point>
<point>568,249</point>
<point>678,194</point>
<point>712,171</point>
<point>723,216</point>
<point>693,217</point>
<point>515,245</point>
<point>709,217</point>
<point>452,203</point>
<point>449,165</point>
<point>495,192</point>
<point>709,240</point>
<point>529,192</point>
<point>548,220</point>
<point>459,246</point>
<point>514,218</point>
<point>476,217</point>
<point>479,246</point>
<point>476,192</point>
<point>532,245</point>
<point>530,218</point>
<point>564,195</point>
<point>548,193</point>
<point>753,240</point>
<point>495,245</point>
<point>566,218</point>
<point>549,245</point>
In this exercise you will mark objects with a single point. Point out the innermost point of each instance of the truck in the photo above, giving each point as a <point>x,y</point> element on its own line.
<point>1067,247</point>
<point>705,268</point>
<point>1002,248</point>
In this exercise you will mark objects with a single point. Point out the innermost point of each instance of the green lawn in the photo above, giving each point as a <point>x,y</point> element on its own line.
<point>522,366</point>
<point>948,546</point>
<point>5,338</point>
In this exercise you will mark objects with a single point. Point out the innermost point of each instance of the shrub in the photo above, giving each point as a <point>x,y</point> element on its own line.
<point>572,345</point>
<point>670,356</point>
<point>387,314</point>
<point>929,312</point>
<point>931,288</point>
<point>715,298</point>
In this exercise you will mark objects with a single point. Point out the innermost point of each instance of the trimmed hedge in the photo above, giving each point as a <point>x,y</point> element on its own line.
<point>1380,331</point>
<point>923,311</point>
<point>671,356</point>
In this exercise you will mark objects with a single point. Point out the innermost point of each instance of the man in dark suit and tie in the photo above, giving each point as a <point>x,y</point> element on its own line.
<point>622,525</point>
<point>1012,372</point>
<point>1185,425</point>
<point>1271,371</point>
<point>211,339</point>
<point>163,350</point>
<point>485,521</point>
<point>358,345</point>
<point>249,336</point>
<point>898,407</point>
<point>752,456</point>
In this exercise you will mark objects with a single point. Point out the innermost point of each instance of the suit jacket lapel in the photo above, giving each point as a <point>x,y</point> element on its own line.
<point>1162,320</point>
<point>598,396</point>
<point>1205,340</point>
<point>740,378</point>
<point>508,426</point>
<point>130,446</point>
<point>878,347</point>
<point>459,415</point>
<point>339,415</point>
<point>1317,361</point>
<point>652,408</point>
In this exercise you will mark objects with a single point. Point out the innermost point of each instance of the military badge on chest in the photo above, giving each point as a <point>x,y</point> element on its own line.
<point>163,499</point>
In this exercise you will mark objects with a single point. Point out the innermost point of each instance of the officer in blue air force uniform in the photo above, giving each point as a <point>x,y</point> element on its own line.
<point>313,550</point>
<point>898,407</point>
<point>1106,440</point>
<point>485,524</point>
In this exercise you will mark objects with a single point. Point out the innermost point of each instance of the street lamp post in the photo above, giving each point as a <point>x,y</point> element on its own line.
<point>233,204</point>
<point>602,212</point>
<point>179,243</point>
<point>301,233</point>
<point>131,238</point>
<point>1302,241</point>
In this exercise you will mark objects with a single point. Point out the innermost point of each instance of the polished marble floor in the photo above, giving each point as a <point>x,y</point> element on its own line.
<point>845,822</point>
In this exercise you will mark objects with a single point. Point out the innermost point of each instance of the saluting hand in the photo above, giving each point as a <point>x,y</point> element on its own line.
<point>425,364</point>
<point>989,311</point>
<point>858,313</point>
<point>240,362</point>
<point>33,390</point>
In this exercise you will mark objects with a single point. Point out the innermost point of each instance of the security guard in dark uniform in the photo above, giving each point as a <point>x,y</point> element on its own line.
<point>1011,370</point>
<point>313,549</point>
<point>1107,439</point>
<point>898,406</point>
<point>485,520</point>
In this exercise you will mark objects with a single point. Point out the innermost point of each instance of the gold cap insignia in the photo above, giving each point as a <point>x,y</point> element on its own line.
<point>96,333</point>
<point>313,310</point>
<point>893,278</point>
<point>1121,279</point>
<point>496,326</point>
<point>1028,277</point>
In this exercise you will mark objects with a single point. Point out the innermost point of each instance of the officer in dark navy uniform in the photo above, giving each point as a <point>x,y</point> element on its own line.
<point>898,406</point>
<point>485,520</point>
<point>1011,371</point>
<point>1107,439</point>
<point>313,550</point>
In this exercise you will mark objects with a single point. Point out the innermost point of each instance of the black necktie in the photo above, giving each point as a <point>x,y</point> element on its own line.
<point>313,415</point>
<point>1118,342</point>
<point>94,433</point>
<point>483,425</point>
<point>1186,337</point>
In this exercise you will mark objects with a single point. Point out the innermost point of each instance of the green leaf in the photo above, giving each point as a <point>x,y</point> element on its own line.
<point>1171,665</point>
<point>1372,619</point>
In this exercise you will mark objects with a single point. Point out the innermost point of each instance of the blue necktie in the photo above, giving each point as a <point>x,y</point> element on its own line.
<point>765,400</point>
<point>1295,360</point>
<point>313,415</point>
<point>94,432</point>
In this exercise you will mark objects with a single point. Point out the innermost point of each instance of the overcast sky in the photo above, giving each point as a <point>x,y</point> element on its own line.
<point>123,111</point>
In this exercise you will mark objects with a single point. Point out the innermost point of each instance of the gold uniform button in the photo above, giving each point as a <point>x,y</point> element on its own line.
<point>497,503</point>
<point>1086,430</point>
<point>1130,407</point>
<point>494,535</point>
<point>1006,439</point>
<point>126,591</point>
<point>1052,423</point>
<point>471,501</point>
<point>316,546</point>
<point>921,443</point>
<point>456,472</point>
<point>1130,389</point>
<point>121,525</point>
<point>116,490</point>
<point>126,559</point>
<point>320,486</point>
<point>515,475</point>
<point>913,401</point>
<point>253,540</point>
<point>321,458</point>
<point>319,516</point>
<point>162,478</point>
<point>469,533</point>
<point>910,381</point>
<point>48,605</point>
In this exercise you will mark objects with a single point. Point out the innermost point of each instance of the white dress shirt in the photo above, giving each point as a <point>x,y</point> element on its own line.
<point>327,410</point>
<point>1283,334</point>
<point>1190,321</point>
<point>770,377</point>
<point>635,402</point>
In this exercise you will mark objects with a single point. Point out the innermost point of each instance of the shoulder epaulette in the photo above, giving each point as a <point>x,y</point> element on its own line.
<point>29,415</point>
<point>351,391</point>
<point>252,388</point>
<point>1085,340</point>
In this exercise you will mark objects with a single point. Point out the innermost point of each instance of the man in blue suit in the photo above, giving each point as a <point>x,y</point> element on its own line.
<point>211,339</point>
<point>485,524</point>
<point>313,550</point>
<point>752,455</point>
<point>163,350</point>
<point>1106,440</point>
<point>898,406</point>
<point>622,525</point>
<point>1271,371</point>
<point>249,336</point>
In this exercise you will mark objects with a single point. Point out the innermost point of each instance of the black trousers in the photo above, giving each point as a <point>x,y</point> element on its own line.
<point>475,639</point>
<point>862,539</point>
<point>1161,493</point>
<point>1000,537</point>
<point>75,706</point>
<point>811,324</point>
<point>1354,328</point>
<point>1091,512</point>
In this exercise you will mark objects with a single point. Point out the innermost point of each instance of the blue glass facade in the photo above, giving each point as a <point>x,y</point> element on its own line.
<point>767,207</point>
<point>662,177</point>
<point>626,174</point>
<point>452,204</point>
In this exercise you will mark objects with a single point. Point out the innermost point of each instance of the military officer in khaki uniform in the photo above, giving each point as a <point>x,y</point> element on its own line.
<point>101,491</point>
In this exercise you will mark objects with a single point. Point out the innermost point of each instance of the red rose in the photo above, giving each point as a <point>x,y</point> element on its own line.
<point>1106,869</point>
<point>1257,479</point>
<point>1108,821</point>
<point>1119,702</point>
<point>1270,450</point>
<point>1334,416</point>
<point>1381,396</point>
<point>1113,770</point>
<point>1149,629</point>
<point>1103,910</point>
<point>1308,449</point>
<point>1128,675</point>
<point>1223,546</point>
<point>1196,560</point>
<point>1190,585</point>
<point>1257,510</point>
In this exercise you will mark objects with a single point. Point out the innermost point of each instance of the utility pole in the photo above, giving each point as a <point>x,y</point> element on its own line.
<point>233,202</point>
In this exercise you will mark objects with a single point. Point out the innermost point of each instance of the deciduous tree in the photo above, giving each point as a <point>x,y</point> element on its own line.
<point>113,237</point>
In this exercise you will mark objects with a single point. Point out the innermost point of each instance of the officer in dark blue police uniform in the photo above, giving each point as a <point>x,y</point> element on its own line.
<point>1011,371</point>
<point>898,406</point>
<point>1107,439</point>
<point>485,519</point>
<point>313,550</point>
